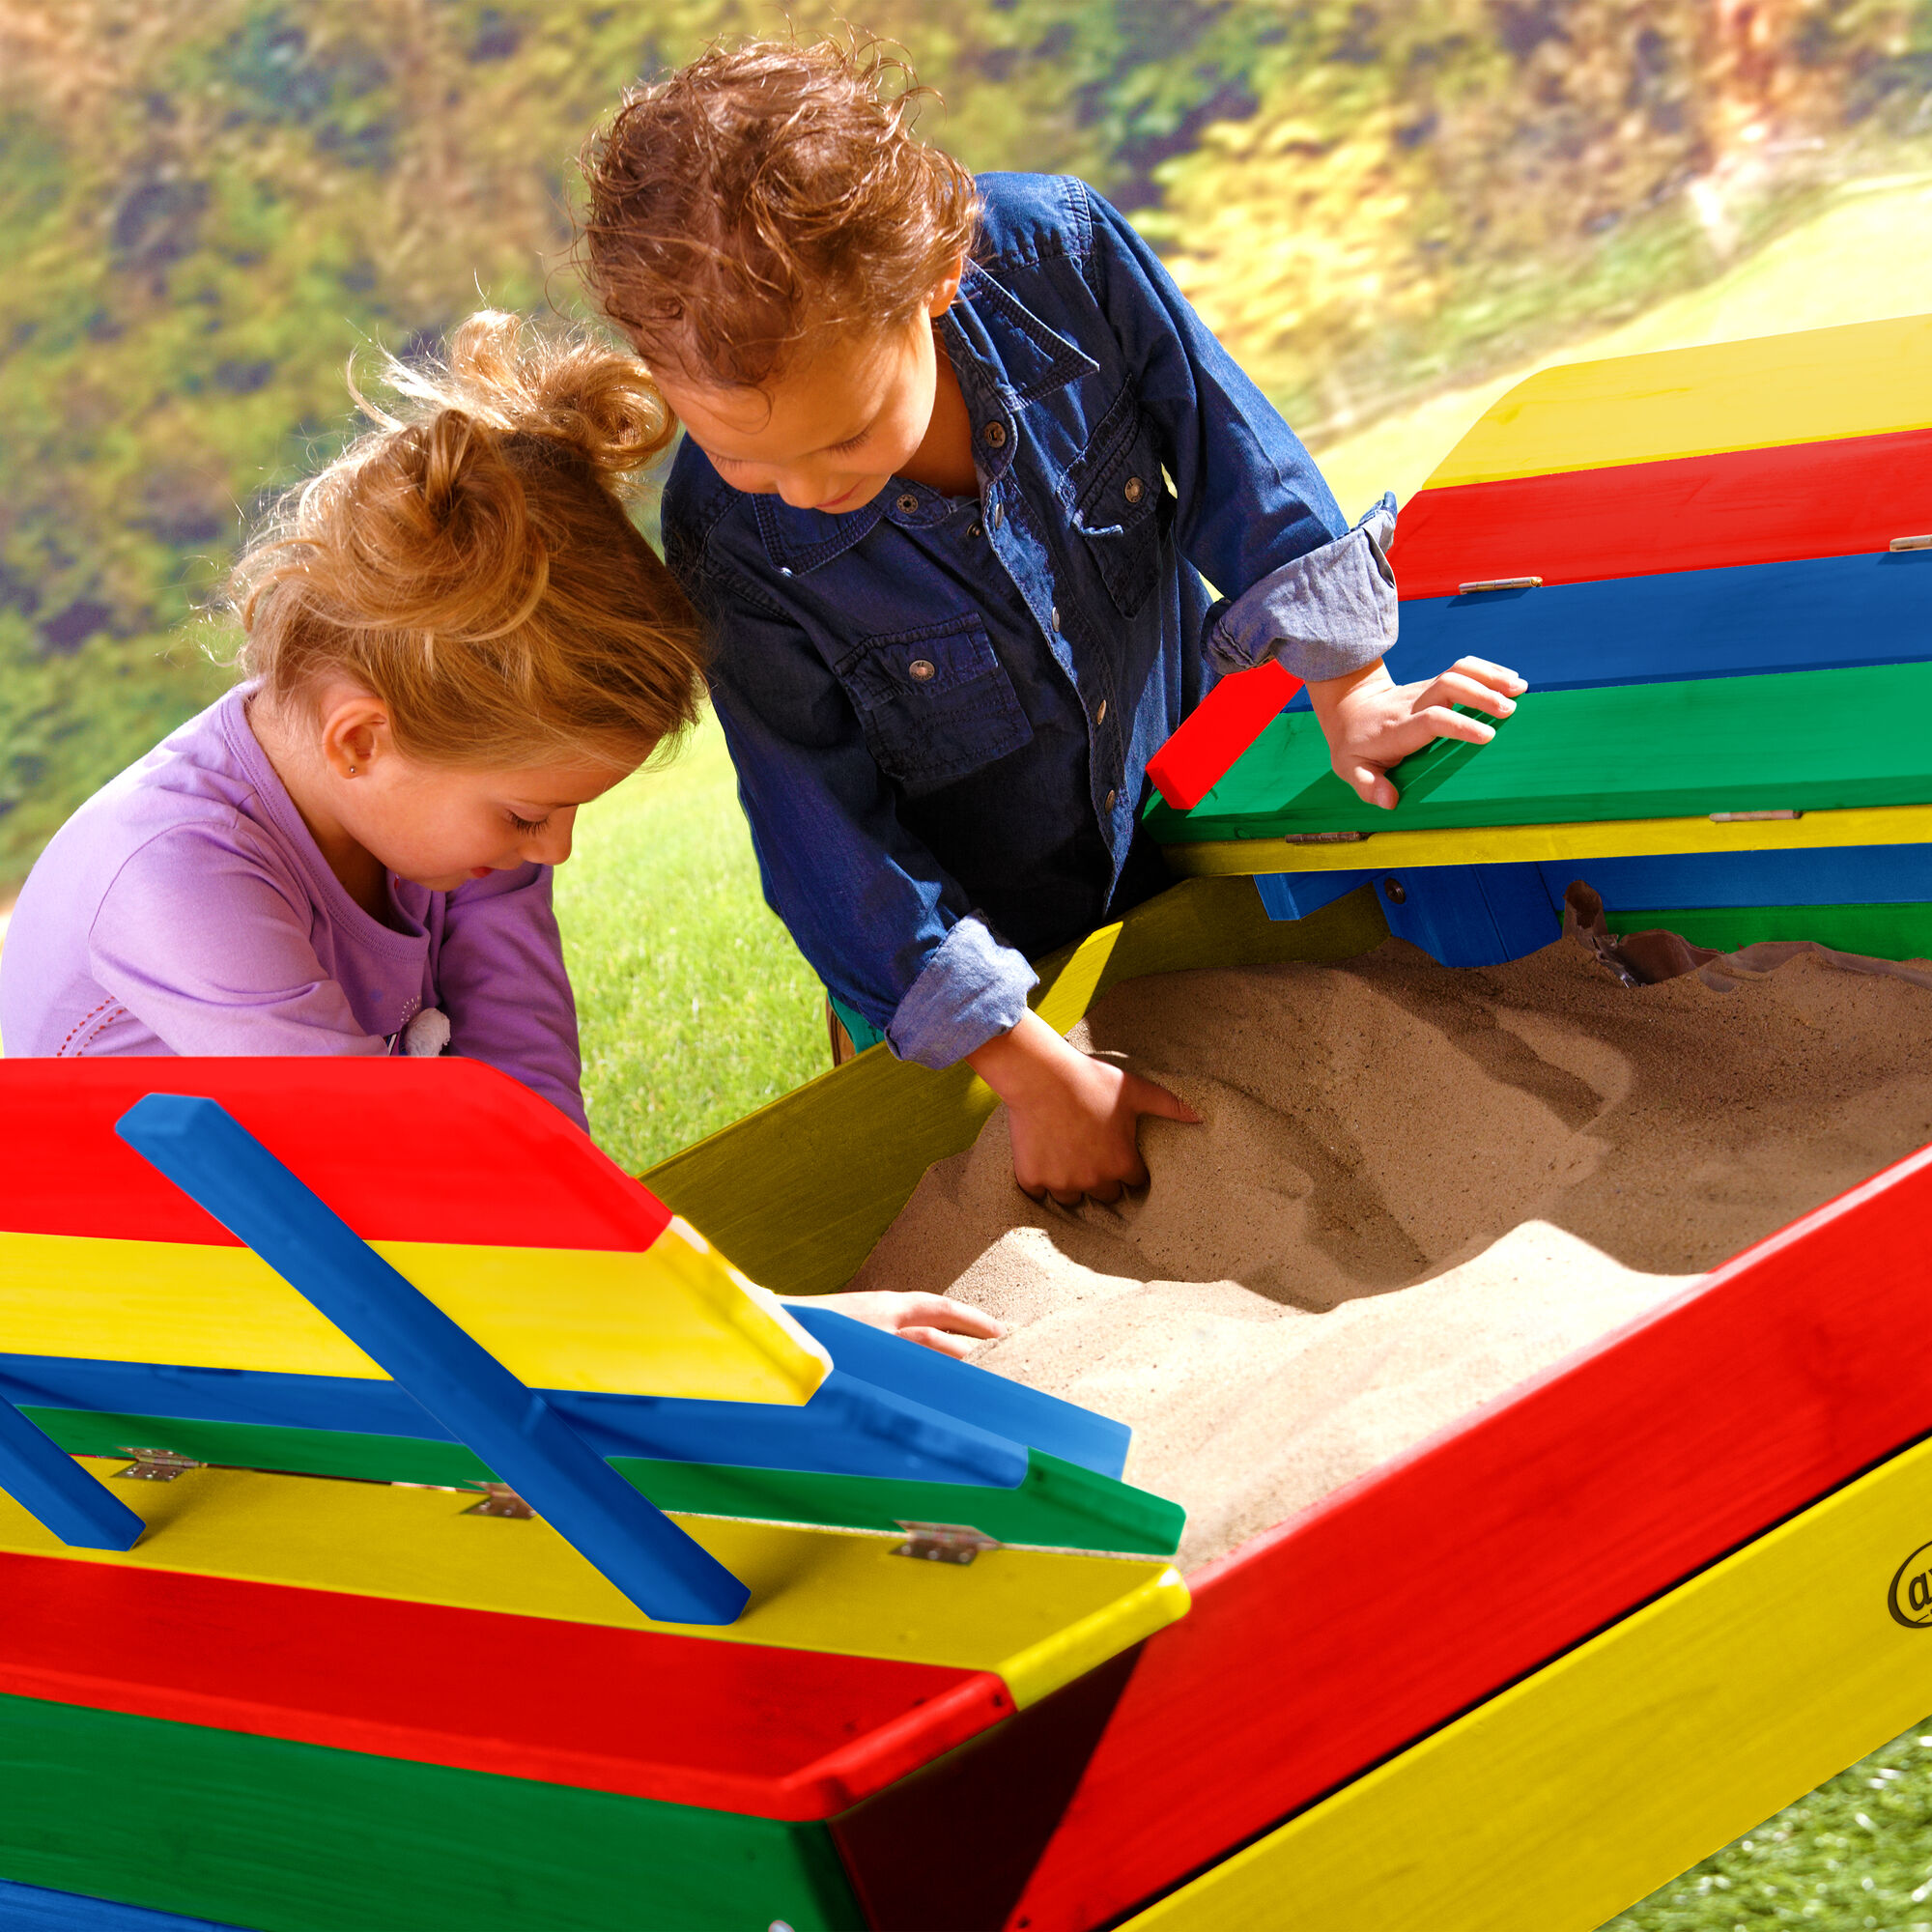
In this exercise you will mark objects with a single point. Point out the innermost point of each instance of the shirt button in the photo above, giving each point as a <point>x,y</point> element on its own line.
<point>1111,797</point>
<point>908,504</point>
<point>1100,716</point>
<point>922,669</point>
<point>1135,490</point>
<point>999,515</point>
<point>1054,614</point>
<point>785,570</point>
<point>975,530</point>
<point>994,436</point>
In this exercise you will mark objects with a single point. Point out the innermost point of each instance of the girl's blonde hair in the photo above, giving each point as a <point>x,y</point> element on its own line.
<point>470,560</point>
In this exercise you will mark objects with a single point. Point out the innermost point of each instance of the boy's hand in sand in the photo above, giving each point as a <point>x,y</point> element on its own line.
<point>932,1320</point>
<point>1075,1120</point>
<point>1372,723</point>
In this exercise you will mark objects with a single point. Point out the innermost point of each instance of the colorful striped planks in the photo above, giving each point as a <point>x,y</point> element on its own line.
<point>263,1833</point>
<point>1806,740</point>
<point>1221,727</point>
<point>1868,378</point>
<point>1765,505</point>
<point>517,1227</point>
<point>31,1907</point>
<point>1571,1795</point>
<point>1338,1638</point>
<point>764,1732</point>
<point>1034,1618</point>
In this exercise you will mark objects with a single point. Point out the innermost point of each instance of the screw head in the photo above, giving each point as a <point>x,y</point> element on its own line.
<point>1393,892</point>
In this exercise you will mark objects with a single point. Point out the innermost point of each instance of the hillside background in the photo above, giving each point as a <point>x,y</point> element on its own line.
<point>206,205</point>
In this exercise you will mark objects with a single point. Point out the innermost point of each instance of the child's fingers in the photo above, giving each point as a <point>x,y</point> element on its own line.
<point>1148,1096</point>
<point>954,1318</point>
<point>1372,784</point>
<point>1499,676</point>
<point>1454,687</point>
<point>939,1340</point>
<point>1442,723</point>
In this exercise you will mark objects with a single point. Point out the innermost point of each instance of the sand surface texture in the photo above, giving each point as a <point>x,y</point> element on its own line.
<point>1414,1188</point>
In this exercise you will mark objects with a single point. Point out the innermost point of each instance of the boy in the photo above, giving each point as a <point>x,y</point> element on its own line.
<point>958,458</point>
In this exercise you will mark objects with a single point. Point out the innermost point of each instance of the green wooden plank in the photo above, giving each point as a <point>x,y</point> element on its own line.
<point>799,1193</point>
<point>1058,1505</point>
<point>1807,741</point>
<point>1879,931</point>
<point>294,1837</point>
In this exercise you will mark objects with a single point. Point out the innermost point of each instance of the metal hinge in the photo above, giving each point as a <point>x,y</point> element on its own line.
<point>154,1465</point>
<point>943,1542</point>
<point>1912,543</point>
<point>1325,837</point>
<point>1750,817</point>
<point>500,1499</point>
<point>1497,583</point>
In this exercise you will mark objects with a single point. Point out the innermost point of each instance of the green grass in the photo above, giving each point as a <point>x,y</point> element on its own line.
<point>696,1006</point>
<point>1856,1853</point>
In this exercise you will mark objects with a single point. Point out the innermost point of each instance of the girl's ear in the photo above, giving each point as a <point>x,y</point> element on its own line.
<point>356,735</point>
<point>947,288</point>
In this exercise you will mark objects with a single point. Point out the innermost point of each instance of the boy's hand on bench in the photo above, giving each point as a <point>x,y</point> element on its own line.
<point>932,1320</point>
<point>1074,1119</point>
<point>1373,723</point>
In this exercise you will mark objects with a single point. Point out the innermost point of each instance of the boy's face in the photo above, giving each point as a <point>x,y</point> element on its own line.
<point>829,433</point>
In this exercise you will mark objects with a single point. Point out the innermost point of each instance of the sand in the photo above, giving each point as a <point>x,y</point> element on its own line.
<point>1413,1188</point>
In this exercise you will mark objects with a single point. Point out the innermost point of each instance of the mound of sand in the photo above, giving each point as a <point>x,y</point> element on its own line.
<point>1413,1188</point>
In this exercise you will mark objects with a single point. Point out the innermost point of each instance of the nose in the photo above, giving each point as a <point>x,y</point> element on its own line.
<point>552,845</point>
<point>805,489</point>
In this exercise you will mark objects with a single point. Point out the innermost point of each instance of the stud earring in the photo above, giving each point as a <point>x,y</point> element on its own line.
<point>351,771</point>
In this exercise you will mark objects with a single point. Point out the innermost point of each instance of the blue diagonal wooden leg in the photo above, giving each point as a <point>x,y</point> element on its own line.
<point>52,1488</point>
<point>213,1158</point>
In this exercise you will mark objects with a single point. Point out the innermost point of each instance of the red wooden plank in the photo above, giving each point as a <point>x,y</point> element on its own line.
<point>1226,723</point>
<point>1345,1633</point>
<point>403,1150</point>
<point>773,1733</point>
<point>1694,513</point>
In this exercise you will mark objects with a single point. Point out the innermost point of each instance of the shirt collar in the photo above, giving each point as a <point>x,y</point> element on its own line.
<point>1006,358</point>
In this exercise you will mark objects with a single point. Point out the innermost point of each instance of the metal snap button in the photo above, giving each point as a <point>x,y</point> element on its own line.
<point>1134,489</point>
<point>999,515</point>
<point>908,502</point>
<point>1100,716</point>
<point>976,529</point>
<point>994,436</point>
<point>1054,615</point>
<point>922,669</point>
<point>1111,797</point>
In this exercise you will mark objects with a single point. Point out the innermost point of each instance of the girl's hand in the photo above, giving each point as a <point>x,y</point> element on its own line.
<point>1372,723</point>
<point>1074,1119</point>
<point>933,1321</point>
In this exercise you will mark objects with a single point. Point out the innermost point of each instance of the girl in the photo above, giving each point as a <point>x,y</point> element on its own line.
<point>454,637</point>
<point>960,458</point>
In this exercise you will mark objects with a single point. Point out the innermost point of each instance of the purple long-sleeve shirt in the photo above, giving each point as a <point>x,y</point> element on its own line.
<point>184,908</point>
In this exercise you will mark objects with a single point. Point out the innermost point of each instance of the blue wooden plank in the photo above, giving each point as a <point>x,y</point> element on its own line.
<point>57,1492</point>
<point>1296,894</point>
<point>1817,615</point>
<point>847,1429</point>
<point>31,1907</point>
<point>214,1160</point>
<point>970,1393</point>
<point>1827,875</point>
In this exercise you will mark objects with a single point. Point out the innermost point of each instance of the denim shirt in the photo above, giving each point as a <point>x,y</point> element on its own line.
<point>940,708</point>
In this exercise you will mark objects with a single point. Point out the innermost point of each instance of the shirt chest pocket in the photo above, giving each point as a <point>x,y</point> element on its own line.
<point>934,703</point>
<point>1121,504</point>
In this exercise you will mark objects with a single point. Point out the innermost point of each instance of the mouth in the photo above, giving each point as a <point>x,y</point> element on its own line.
<point>833,502</point>
<point>480,872</point>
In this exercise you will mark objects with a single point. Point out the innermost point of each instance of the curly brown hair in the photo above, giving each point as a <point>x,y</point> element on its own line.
<point>763,194</point>
<point>470,562</point>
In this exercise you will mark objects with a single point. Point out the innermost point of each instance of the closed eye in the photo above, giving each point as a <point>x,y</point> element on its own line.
<point>851,443</point>
<point>530,826</point>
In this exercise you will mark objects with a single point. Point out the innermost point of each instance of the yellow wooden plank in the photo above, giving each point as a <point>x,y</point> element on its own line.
<point>676,1320</point>
<point>1519,844</point>
<point>1035,1618</point>
<point>1867,378</point>
<point>1582,1789</point>
<point>798,1193</point>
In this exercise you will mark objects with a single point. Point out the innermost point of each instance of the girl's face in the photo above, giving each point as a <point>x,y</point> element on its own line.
<point>830,433</point>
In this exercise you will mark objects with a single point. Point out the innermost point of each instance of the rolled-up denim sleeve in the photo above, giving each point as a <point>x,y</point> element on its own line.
<point>1255,516</point>
<point>881,922</point>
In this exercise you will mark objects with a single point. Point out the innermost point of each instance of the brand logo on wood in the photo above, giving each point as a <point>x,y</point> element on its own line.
<point>1910,1598</point>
